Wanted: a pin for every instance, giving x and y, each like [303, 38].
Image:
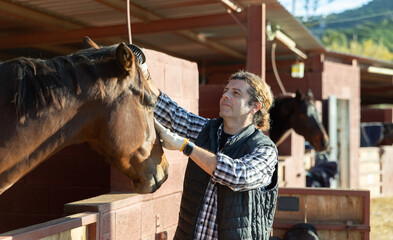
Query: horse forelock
[146, 98]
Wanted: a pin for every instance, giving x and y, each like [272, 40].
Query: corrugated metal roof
[197, 30]
[60, 15]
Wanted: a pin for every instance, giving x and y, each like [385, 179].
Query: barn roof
[198, 30]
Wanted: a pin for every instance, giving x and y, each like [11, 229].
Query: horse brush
[137, 51]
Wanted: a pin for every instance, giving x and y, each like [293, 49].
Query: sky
[325, 6]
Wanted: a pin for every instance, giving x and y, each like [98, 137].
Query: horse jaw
[152, 180]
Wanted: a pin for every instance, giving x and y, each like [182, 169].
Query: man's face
[234, 100]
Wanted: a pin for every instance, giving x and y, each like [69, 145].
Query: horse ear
[88, 43]
[124, 56]
[298, 95]
[310, 94]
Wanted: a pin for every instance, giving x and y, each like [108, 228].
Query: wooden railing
[77, 226]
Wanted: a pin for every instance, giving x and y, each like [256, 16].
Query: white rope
[129, 22]
[274, 45]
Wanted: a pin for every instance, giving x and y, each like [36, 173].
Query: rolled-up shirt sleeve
[251, 171]
[176, 118]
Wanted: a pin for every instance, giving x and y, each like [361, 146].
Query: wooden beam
[77, 31]
[377, 89]
[168, 25]
[22, 12]
[72, 36]
[18, 41]
[256, 40]
[147, 15]
[375, 99]
[182, 4]
[119, 5]
[215, 45]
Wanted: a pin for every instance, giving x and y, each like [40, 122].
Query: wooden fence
[82, 226]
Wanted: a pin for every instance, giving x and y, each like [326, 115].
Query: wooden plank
[50, 228]
[79, 233]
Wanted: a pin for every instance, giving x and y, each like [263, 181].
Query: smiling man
[230, 186]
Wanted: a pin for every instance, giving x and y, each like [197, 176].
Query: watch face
[188, 149]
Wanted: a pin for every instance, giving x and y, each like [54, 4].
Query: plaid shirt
[251, 171]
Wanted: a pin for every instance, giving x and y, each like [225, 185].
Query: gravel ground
[381, 218]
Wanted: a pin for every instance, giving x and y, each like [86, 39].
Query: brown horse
[98, 96]
[298, 113]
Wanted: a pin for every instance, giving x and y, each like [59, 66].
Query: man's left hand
[170, 140]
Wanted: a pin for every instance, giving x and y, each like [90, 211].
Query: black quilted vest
[241, 215]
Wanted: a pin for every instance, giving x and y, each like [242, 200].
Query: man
[230, 184]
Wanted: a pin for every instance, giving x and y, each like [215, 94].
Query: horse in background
[96, 95]
[300, 114]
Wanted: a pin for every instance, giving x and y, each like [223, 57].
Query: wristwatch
[188, 148]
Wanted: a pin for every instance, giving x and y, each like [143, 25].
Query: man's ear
[256, 107]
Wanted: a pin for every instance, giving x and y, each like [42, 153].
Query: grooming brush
[140, 56]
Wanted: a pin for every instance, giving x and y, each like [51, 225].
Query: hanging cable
[274, 45]
[129, 22]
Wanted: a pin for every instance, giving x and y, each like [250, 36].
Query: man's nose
[226, 95]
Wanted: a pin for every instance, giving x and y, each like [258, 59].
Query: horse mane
[278, 101]
[40, 83]
[281, 109]
[143, 90]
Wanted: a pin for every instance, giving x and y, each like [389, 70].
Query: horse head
[299, 113]
[96, 95]
[127, 136]
[307, 123]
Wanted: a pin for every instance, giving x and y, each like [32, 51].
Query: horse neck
[38, 138]
[280, 124]
[27, 145]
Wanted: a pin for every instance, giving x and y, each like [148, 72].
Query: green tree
[338, 41]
